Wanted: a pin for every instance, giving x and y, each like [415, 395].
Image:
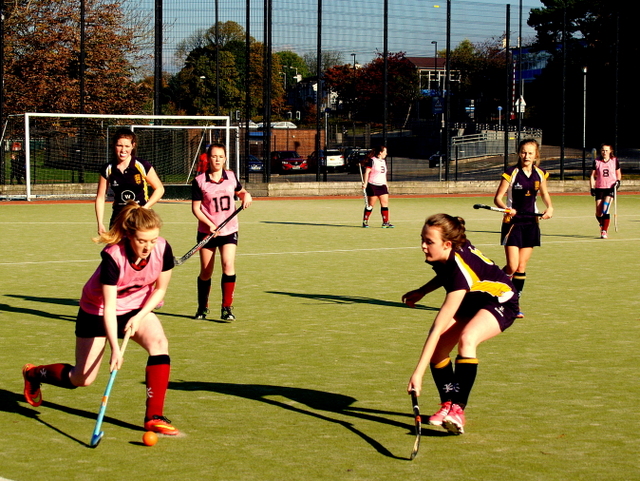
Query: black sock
[518, 281]
[466, 370]
[204, 287]
[444, 378]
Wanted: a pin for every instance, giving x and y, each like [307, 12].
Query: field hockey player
[480, 303]
[520, 233]
[605, 179]
[130, 281]
[213, 194]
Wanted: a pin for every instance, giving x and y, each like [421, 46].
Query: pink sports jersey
[217, 200]
[606, 174]
[378, 174]
[134, 287]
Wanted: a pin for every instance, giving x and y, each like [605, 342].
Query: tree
[482, 77]
[362, 90]
[193, 89]
[328, 59]
[42, 58]
[292, 65]
[597, 32]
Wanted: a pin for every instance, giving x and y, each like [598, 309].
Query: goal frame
[226, 120]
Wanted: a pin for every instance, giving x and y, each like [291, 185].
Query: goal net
[60, 155]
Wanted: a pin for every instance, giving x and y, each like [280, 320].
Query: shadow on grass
[329, 403]
[11, 402]
[312, 224]
[37, 312]
[350, 300]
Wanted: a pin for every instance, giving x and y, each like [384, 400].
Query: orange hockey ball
[149, 438]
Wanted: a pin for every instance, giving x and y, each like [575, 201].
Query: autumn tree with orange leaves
[42, 57]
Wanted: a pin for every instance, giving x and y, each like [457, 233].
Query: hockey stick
[615, 209]
[364, 191]
[97, 433]
[202, 243]
[418, 423]
[498, 209]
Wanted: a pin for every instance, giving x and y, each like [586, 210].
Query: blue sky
[350, 26]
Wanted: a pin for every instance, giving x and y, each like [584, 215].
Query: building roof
[428, 62]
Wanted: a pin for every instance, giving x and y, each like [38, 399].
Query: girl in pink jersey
[131, 280]
[375, 185]
[213, 194]
[605, 179]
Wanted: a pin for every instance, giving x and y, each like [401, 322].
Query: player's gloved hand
[593, 192]
[617, 184]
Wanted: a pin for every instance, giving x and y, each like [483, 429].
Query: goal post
[62, 154]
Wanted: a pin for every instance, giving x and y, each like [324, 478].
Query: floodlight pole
[157, 60]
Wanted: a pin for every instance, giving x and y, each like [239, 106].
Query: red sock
[367, 214]
[228, 286]
[605, 223]
[55, 374]
[385, 214]
[157, 381]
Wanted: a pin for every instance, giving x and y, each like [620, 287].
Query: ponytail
[453, 228]
[132, 218]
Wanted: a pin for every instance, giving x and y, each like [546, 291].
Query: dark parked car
[356, 158]
[435, 159]
[283, 161]
[254, 164]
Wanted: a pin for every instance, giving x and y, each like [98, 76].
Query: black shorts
[218, 241]
[376, 190]
[521, 235]
[92, 325]
[473, 302]
[601, 194]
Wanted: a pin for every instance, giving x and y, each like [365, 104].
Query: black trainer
[226, 314]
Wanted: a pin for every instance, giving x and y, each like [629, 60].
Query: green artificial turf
[310, 382]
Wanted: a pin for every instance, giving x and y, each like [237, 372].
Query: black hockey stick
[202, 243]
[418, 423]
[498, 209]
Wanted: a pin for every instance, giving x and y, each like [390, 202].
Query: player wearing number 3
[605, 178]
[480, 303]
[212, 200]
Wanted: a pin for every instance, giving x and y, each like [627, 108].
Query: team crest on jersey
[138, 179]
[536, 185]
[517, 186]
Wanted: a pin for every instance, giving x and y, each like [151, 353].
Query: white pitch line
[336, 251]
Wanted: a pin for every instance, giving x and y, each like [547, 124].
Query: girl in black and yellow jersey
[480, 303]
[521, 184]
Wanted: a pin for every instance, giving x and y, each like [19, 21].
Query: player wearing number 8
[605, 179]
[212, 200]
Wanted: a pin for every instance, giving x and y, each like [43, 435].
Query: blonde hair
[131, 219]
[452, 228]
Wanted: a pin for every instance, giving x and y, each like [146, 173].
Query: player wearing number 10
[213, 194]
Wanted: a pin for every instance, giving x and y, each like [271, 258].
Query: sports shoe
[365, 224]
[520, 315]
[454, 420]
[201, 314]
[32, 393]
[160, 425]
[603, 234]
[226, 314]
[437, 418]
[387, 225]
